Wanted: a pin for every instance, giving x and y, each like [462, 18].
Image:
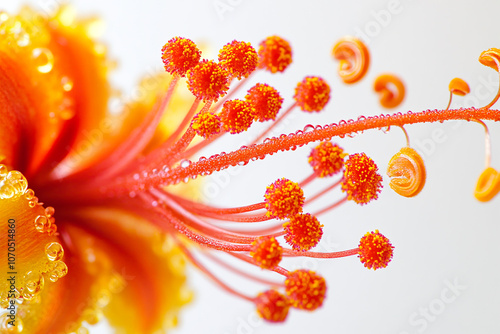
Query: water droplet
[42, 223]
[44, 59]
[34, 282]
[352, 134]
[3, 170]
[185, 163]
[308, 128]
[136, 176]
[12, 185]
[29, 194]
[57, 270]
[54, 251]
[132, 194]
[154, 203]
[243, 163]
[49, 211]
[6, 328]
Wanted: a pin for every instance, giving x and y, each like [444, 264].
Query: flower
[142, 190]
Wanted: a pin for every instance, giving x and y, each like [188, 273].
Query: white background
[443, 235]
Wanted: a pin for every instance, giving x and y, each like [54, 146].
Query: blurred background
[444, 275]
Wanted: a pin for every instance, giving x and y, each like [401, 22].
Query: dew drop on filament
[54, 251]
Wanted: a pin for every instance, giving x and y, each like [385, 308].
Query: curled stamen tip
[206, 124]
[275, 54]
[354, 59]
[179, 55]
[490, 58]
[272, 306]
[488, 185]
[238, 58]
[283, 199]
[208, 80]
[303, 232]
[391, 90]
[375, 250]
[362, 183]
[266, 252]
[407, 172]
[459, 87]
[237, 115]
[312, 94]
[266, 101]
[327, 159]
[306, 289]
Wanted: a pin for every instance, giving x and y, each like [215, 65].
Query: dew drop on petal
[34, 282]
[12, 185]
[54, 251]
[42, 223]
[57, 270]
[3, 170]
[6, 328]
[49, 211]
[44, 59]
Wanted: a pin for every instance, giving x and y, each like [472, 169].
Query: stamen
[327, 159]
[179, 55]
[391, 90]
[266, 101]
[237, 116]
[208, 81]
[361, 180]
[267, 252]
[354, 59]
[458, 87]
[283, 198]
[312, 94]
[207, 272]
[275, 54]
[375, 250]
[303, 232]
[306, 289]
[206, 124]
[238, 58]
[272, 306]
[491, 58]
[488, 184]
